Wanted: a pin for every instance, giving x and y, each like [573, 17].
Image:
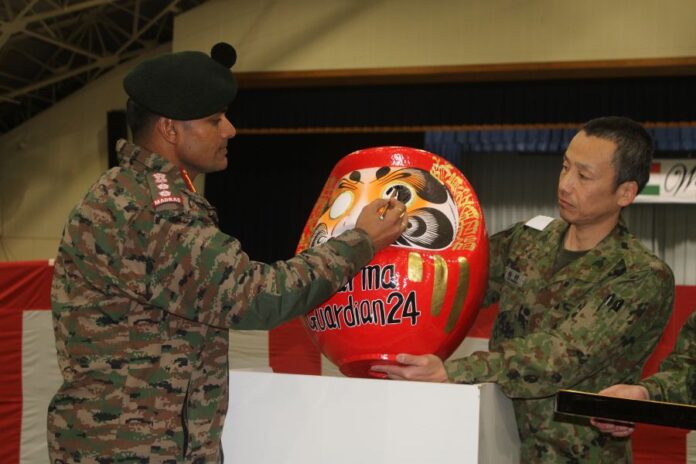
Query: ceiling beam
[12, 76]
[136, 17]
[104, 62]
[71, 8]
[41, 63]
[147, 26]
[8, 10]
[65, 45]
[26, 9]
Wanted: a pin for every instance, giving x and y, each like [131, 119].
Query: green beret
[184, 85]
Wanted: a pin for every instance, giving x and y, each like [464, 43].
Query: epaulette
[539, 222]
[166, 195]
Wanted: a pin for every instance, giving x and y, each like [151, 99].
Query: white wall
[273, 35]
[48, 163]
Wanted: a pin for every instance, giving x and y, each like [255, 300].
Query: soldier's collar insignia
[187, 179]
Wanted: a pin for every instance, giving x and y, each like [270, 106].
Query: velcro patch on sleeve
[164, 193]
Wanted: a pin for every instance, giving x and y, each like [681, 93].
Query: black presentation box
[682, 416]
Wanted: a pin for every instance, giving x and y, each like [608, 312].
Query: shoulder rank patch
[164, 194]
[539, 222]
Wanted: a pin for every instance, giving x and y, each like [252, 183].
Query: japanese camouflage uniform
[587, 326]
[145, 289]
[675, 381]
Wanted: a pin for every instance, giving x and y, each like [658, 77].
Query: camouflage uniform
[676, 380]
[590, 325]
[143, 297]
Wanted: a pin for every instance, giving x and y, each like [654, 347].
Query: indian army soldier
[582, 301]
[146, 286]
[674, 382]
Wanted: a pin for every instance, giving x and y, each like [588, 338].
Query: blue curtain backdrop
[451, 144]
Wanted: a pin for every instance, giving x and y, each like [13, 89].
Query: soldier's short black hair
[140, 121]
[634, 147]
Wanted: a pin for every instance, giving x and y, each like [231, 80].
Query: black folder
[682, 416]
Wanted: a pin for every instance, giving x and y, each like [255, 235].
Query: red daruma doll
[419, 295]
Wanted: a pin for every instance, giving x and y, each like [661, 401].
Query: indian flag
[653, 186]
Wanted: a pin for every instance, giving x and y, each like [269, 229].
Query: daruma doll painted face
[419, 295]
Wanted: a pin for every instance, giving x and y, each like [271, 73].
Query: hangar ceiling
[51, 48]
